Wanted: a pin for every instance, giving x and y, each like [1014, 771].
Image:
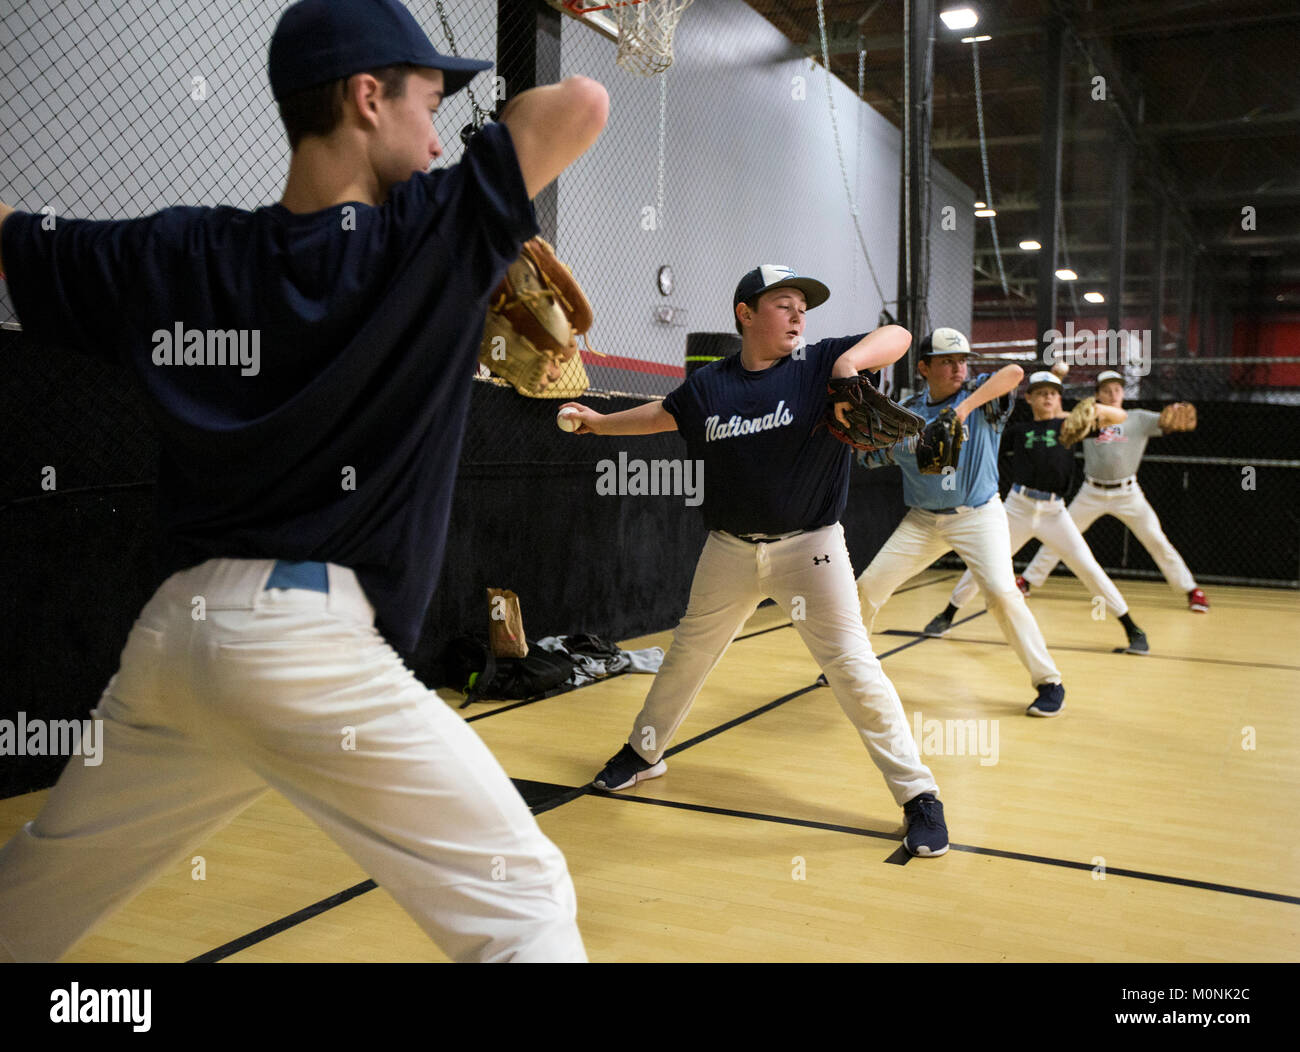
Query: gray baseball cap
[944, 341]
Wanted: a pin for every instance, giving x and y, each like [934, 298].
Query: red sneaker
[1023, 585]
[1196, 601]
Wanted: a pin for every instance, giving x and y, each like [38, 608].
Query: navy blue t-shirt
[766, 470]
[336, 433]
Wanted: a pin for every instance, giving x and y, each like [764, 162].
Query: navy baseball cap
[774, 276]
[318, 41]
[944, 341]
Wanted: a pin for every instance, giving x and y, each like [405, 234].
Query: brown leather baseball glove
[534, 320]
[860, 416]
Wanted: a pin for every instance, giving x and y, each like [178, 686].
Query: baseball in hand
[567, 420]
[1060, 369]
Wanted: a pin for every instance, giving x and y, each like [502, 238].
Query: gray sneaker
[937, 627]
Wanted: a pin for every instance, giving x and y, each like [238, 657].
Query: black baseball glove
[860, 416]
[940, 443]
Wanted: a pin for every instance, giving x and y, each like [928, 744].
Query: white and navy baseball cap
[944, 341]
[1044, 379]
[1109, 374]
[775, 276]
[317, 41]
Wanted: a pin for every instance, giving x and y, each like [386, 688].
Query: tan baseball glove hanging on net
[534, 320]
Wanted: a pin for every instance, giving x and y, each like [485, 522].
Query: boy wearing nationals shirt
[1041, 469]
[776, 484]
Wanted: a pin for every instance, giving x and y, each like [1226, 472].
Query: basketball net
[645, 31]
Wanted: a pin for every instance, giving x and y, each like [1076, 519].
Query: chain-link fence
[744, 152]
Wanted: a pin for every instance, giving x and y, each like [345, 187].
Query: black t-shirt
[1038, 459]
[768, 467]
[336, 433]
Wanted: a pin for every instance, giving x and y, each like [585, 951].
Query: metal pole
[1049, 174]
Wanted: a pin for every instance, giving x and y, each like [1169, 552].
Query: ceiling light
[1030, 245]
[1094, 297]
[1066, 274]
[981, 204]
[976, 40]
[959, 18]
[986, 213]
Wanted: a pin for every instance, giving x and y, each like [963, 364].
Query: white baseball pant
[295, 690]
[1049, 521]
[982, 538]
[1128, 504]
[810, 575]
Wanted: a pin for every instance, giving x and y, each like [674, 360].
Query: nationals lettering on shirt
[770, 466]
[714, 430]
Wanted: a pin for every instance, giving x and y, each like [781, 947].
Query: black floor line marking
[757, 816]
[283, 924]
[544, 697]
[547, 794]
[737, 721]
[1018, 856]
[1095, 650]
[900, 857]
[763, 631]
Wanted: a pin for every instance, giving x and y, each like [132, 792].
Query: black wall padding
[1219, 527]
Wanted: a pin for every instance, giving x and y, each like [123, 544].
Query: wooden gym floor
[1155, 820]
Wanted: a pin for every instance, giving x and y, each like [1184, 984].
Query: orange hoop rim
[577, 7]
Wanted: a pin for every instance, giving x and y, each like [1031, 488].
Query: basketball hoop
[645, 30]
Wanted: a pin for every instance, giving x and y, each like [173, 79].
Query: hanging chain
[839, 150]
[480, 114]
[663, 123]
[984, 163]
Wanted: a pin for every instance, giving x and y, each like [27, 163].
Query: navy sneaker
[625, 768]
[937, 627]
[1050, 700]
[927, 835]
[1137, 643]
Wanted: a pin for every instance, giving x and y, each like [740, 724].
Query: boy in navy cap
[305, 499]
[775, 486]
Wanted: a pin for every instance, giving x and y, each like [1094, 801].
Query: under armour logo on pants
[823, 559]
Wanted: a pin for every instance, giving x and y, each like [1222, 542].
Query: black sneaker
[938, 626]
[1050, 700]
[927, 835]
[1137, 643]
[625, 769]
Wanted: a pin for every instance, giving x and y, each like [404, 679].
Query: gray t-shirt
[1117, 450]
